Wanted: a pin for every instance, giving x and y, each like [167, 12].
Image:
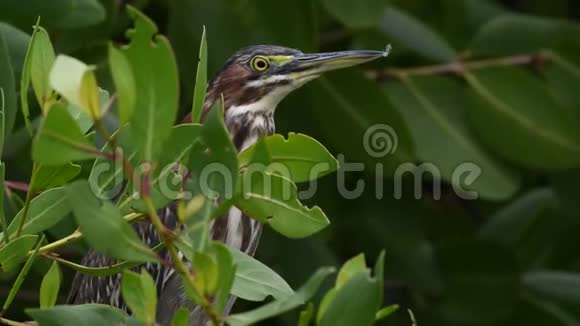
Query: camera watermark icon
[215, 179]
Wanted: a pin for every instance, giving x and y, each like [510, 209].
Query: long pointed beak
[317, 63]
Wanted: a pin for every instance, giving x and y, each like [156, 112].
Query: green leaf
[386, 312]
[355, 303]
[356, 14]
[213, 160]
[352, 100]
[17, 43]
[156, 83]
[103, 227]
[60, 140]
[513, 34]
[306, 315]
[15, 252]
[225, 275]
[61, 14]
[140, 293]
[350, 268]
[411, 33]
[277, 307]
[433, 108]
[206, 272]
[181, 317]
[324, 303]
[7, 92]
[37, 64]
[51, 176]
[299, 158]
[77, 83]
[379, 271]
[3, 223]
[41, 61]
[200, 81]
[557, 286]
[50, 286]
[530, 127]
[124, 83]
[86, 314]
[273, 199]
[45, 211]
[510, 224]
[82, 118]
[255, 281]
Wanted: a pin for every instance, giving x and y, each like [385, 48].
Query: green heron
[253, 82]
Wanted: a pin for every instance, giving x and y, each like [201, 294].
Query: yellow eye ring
[260, 63]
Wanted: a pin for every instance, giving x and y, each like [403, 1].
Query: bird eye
[260, 64]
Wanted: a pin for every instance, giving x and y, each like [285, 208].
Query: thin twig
[10, 322]
[16, 185]
[180, 267]
[27, 201]
[461, 67]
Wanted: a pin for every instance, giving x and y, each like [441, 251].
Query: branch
[459, 68]
[180, 268]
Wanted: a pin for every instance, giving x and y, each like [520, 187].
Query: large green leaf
[411, 33]
[434, 109]
[15, 252]
[8, 92]
[41, 60]
[124, 83]
[60, 14]
[103, 227]
[50, 286]
[356, 14]
[60, 140]
[376, 131]
[355, 303]
[522, 34]
[255, 281]
[87, 314]
[299, 158]
[140, 294]
[272, 199]
[530, 127]
[45, 211]
[278, 307]
[156, 83]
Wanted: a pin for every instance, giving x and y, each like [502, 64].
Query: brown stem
[460, 67]
[16, 185]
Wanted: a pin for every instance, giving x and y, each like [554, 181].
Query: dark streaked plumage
[253, 81]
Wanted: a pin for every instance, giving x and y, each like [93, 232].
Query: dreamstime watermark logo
[380, 140]
[215, 180]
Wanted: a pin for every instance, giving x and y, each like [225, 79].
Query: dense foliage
[470, 186]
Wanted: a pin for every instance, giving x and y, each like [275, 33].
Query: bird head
[259, 77]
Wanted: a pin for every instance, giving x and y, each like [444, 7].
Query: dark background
[512, 257]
